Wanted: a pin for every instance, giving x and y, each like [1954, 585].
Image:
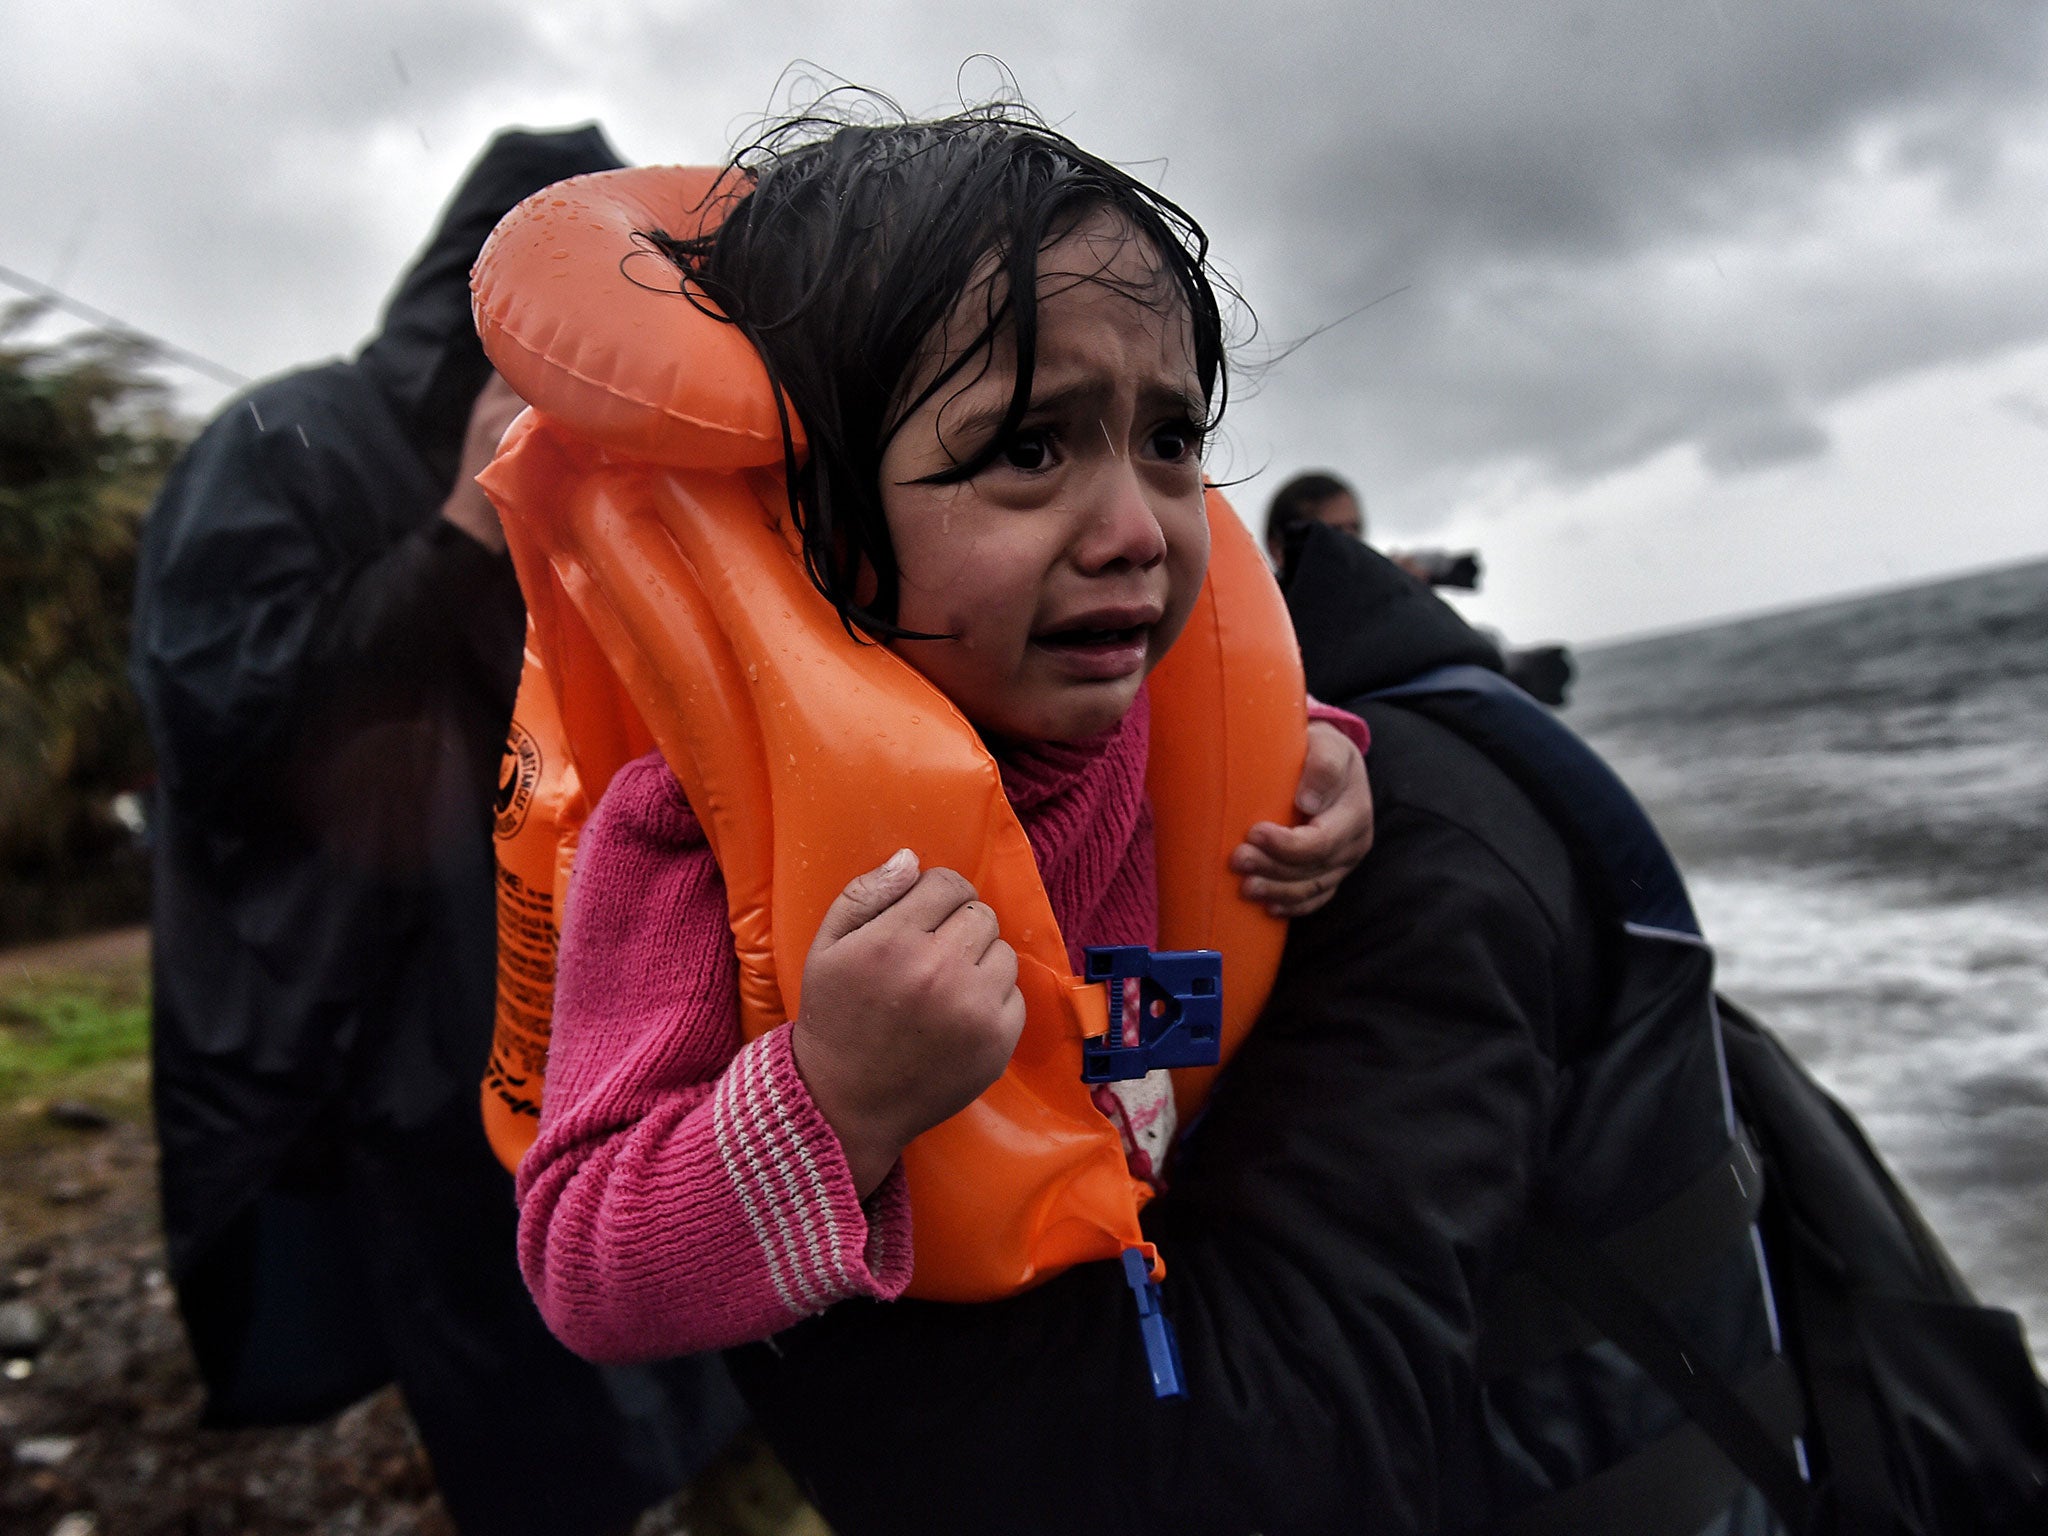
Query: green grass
[58, 1033]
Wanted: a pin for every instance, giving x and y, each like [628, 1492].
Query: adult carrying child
[985, 362]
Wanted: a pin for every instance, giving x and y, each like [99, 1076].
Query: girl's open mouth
[1088, 639]
[1097, 653]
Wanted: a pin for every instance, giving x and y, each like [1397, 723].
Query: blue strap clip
[1180, 1010]
[1162, 1350]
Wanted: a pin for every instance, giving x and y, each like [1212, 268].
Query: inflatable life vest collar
[665, 379]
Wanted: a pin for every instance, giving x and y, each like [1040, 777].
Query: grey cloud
[1619, 226]
[1762, 440]
[1465, 125]
[1531, 177]
[230, 173]
[2027, 407]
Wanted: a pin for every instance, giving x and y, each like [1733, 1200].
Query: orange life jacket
[643, 499]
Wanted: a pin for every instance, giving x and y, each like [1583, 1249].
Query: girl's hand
[1291, 871]
[910, 1009]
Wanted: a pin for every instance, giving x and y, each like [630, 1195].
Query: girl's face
[1063, 571]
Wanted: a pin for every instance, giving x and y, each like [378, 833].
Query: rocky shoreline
[100, 1401]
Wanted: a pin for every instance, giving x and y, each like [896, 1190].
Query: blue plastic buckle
[1180, 1010]
[1162, 1350]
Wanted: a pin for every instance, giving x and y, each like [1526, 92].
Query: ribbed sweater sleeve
[684, 1193]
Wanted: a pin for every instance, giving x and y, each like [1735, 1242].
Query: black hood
[1364, 623]
[427, 361]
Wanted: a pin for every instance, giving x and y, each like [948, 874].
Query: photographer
[1321, 497]
[1544, 672]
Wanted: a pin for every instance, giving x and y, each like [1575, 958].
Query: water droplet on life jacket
[753, 672]
[560, 202]
[561, 255]
[792, 759]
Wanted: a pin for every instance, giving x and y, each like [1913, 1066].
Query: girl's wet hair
[846, 247]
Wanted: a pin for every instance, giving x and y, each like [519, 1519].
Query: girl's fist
[910, 1009]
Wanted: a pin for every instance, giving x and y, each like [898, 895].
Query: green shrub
[85, 439]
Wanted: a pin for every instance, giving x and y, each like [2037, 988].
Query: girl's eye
[1177, 440]
[1028, 450]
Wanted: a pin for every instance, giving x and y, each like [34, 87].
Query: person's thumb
[868, 896]
[1322, 773]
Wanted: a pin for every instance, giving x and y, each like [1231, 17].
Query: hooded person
[327, 643]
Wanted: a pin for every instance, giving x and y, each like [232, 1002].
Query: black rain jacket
[328, 667]
[1340, 1219]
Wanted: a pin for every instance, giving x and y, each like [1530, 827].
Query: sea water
[1859, 796]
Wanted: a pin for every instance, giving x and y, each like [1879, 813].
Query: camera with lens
[1458, 568]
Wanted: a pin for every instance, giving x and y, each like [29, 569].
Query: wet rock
[44, 1451]
[77, 1115]
[24, 1328]
[73, 1192]
[77, 1523]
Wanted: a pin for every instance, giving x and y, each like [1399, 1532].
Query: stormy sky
[1673, 309]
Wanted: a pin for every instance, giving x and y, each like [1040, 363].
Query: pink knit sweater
[684, 1192]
